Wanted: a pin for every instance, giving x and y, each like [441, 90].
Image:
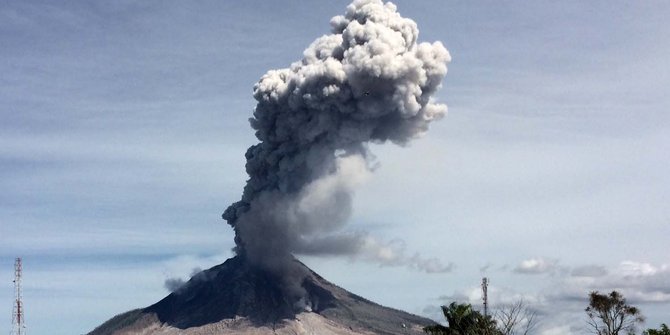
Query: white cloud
[637, 269]
[536, 266]
[639, 282]
[557, 330]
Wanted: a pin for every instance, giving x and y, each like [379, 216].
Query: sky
[123, 127]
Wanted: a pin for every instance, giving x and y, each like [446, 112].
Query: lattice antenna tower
[485, 295]
[18, 322]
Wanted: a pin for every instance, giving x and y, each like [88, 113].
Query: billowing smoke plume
[176, 284]
[173, 284]
[367, 81]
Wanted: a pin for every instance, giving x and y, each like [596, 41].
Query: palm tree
[463, 320]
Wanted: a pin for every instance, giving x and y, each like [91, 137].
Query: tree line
[608, 314]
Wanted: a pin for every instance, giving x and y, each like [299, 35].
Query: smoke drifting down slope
[367, 81]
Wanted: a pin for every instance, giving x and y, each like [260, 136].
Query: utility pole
[485, 296]
[18, 323]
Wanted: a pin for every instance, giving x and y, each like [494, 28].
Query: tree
[487, 326]
[463, 320]
[516, 319]
[663, 331]
[609, 314]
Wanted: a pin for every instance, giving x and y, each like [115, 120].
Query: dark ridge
[238, 289]
[234, 288]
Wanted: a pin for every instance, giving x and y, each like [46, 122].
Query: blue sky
[124, 125]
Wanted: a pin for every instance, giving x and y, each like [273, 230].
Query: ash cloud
[367, 81]
[362, 246]
[175, 284]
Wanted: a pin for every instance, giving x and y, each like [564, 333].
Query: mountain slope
[237, 298]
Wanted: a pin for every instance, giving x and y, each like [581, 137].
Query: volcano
[238, 298]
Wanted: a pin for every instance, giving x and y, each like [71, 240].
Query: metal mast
[18, 325]
[485, 296]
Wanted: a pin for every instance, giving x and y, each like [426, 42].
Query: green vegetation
[463, 320]
[609, 314]
[664, 330]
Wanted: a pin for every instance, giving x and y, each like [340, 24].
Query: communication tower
[18, 323]
[485, 296]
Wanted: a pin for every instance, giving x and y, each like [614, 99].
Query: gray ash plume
[367, 81]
